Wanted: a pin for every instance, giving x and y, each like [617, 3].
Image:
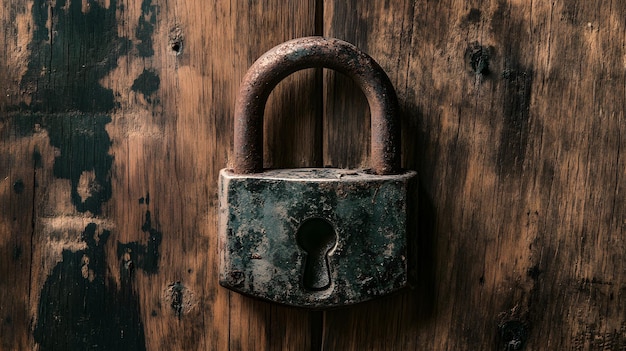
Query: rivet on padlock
[314, 237]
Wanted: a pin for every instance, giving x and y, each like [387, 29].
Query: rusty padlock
[314, 237]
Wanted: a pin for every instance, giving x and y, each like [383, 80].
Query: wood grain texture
[513, 115]
[116, 118]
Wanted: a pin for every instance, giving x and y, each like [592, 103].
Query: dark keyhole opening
[316, 236]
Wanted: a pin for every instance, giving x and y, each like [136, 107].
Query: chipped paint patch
[65, 233]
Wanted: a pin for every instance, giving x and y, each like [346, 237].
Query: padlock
[314, 237]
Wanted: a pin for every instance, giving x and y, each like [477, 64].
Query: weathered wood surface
[116, 116]
[514, 116]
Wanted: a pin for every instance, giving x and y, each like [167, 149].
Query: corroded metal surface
[261, 214]
[314, 237]
[308, 52]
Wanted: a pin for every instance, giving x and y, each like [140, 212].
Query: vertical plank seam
[319, 17]
[230, 313]
[617, 158]
[318, 154]
[323, 336]
[317, 319]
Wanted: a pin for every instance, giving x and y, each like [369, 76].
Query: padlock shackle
[310, 52]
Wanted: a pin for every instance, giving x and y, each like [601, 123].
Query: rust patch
[359, 226]
[310, 52]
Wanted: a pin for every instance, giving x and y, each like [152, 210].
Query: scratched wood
[116, 118]
[514, 117]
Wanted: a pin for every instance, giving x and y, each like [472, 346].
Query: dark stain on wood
[422, 253]
[81, 305]
[145, 28]
[145, 199]
[142, 256]
[68, 60]
[18, 186]
[37, 159]
[64, 72]
[82, 308]
[478, 57]
[147, 83]
[80, 292]
[512, 336]
[83, 145]
[561, 271]
[516, 107]
[17, 252]
[534, 272]
[84, 149]
[473, 16]
[515, 94]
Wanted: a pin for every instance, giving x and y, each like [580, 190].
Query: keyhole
[316, 237]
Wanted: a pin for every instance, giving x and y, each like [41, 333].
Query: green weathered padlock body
[260, 214]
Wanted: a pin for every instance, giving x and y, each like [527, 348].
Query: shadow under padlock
[317, 237]
[314, 237]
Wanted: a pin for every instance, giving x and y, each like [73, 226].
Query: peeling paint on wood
[521, 171]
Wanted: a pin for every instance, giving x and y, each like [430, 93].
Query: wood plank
[17, 192]
[292, 138]
[128, 104]
[513, 115]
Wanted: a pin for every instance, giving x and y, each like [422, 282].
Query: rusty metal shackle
[309, 52]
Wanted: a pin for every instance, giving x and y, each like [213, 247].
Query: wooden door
[116, 116]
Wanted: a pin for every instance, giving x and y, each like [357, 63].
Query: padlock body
[261, 213]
